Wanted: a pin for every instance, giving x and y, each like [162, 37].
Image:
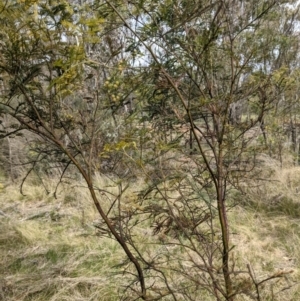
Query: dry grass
[266, 229]
[50, 250]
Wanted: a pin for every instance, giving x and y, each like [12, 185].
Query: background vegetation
[156, 148]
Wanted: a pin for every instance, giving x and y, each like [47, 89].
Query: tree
[217, 72]
[48, 79]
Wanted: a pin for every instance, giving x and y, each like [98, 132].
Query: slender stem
[224, 225]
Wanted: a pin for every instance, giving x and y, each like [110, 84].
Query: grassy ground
[50, 249]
